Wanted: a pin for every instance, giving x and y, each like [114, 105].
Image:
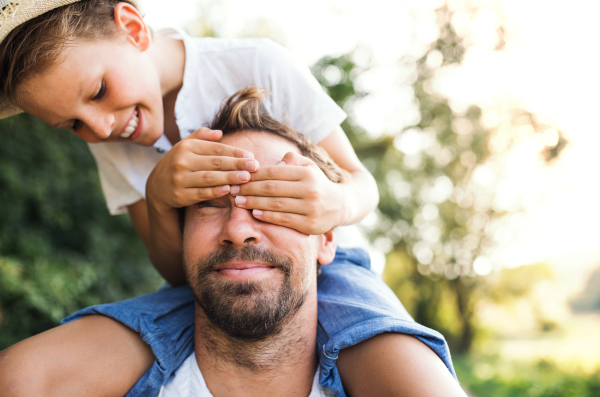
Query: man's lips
[243, 269]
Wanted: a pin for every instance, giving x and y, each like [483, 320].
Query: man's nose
[241, 229]
[101, 124]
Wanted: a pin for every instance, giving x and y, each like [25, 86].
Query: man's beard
[248, 310]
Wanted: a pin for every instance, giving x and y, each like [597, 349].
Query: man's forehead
[267, 148]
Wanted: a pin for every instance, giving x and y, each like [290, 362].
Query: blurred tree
[437, 215]
[60, 249]
[589, 299]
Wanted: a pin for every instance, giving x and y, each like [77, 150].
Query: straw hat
[15, 12]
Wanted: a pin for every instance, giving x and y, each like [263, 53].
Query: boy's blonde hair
[33, 46]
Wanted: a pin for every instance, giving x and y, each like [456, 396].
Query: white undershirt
[188, 381]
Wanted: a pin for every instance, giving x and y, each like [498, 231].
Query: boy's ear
[326, 250]
[129, 20]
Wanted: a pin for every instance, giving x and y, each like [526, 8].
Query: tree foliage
[436, 213]
[60, 249]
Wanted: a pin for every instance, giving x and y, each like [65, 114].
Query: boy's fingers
[220, 163]
[291, 173]
[289, 205]
[196, 195]
[286, 219]
[206, 134]
[202, 179]
[271, 188]
[207, 148]
[292, 158]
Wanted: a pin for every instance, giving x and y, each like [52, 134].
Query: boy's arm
[395, 365]
[166, 230]
[92, 356]
[362, 194]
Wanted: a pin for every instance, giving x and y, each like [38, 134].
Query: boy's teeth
[131, 126]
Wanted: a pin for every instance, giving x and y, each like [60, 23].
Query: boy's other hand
[295, 193]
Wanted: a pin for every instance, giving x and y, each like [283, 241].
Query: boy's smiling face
[105, 90]
[96, 89]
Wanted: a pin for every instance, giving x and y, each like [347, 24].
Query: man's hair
[34, 46]
[244, 111]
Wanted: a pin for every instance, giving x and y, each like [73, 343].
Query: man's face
[249, 276]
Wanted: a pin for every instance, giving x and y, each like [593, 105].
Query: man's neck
[281, 365]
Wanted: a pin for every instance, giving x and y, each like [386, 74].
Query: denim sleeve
[355, 305]
[165, 321]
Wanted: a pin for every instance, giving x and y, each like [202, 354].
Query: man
[255, 290]
[255, 283]
[256, 296]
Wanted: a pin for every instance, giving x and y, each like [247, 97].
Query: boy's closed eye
[101, 92]
[99, 95]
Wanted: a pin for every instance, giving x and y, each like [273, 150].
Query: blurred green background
[60, 250]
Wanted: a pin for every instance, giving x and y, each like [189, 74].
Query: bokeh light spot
[482, 266]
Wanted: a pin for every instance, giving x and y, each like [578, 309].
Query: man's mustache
[249, 253]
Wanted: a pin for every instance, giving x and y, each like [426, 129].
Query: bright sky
[549, 67]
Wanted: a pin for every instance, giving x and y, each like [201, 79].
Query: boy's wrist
[344, 212]
[156, 206]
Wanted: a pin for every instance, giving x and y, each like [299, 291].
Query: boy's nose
[101, 125]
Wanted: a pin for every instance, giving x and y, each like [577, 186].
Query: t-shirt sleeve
[118, 192]
[296, 97]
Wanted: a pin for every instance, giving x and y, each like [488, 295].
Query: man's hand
[295, 193]
[197, 169]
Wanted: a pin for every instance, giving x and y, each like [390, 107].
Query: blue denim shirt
[354, 305]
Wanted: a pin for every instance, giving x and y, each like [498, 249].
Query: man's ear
[326, 248]
[129, 20]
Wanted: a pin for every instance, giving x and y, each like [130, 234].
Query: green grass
[491, 377]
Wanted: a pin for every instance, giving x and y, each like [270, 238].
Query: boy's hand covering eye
[295, 193]
[197, 169]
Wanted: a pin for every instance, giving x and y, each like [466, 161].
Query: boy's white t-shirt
[188, 381]
[215, 69]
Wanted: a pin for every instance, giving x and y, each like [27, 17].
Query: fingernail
[281, 163]
[243, 176]
[248, 155]
[235, 189]
[252, 165]
[225, 189]
[240, 200]
[256, 212]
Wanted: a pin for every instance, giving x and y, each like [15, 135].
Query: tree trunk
[464, 295]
